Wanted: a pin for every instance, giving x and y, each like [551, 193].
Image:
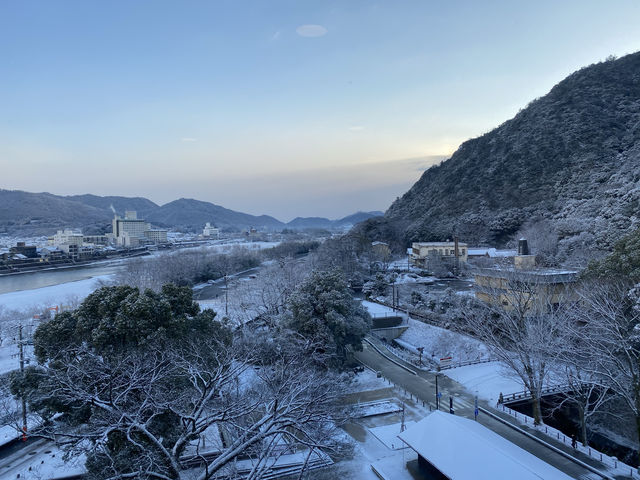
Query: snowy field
[486, 379]
[439, 343]
[377, 310]
[45, 297]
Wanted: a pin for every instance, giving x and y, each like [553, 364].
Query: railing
[612, 462]
[468, 362]
[526, 394]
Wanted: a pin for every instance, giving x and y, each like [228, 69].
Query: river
[46, 278]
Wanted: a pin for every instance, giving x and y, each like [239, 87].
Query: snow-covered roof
[491, 252]
[464, 449]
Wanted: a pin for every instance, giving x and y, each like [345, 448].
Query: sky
[286, 108]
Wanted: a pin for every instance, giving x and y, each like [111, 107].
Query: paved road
[422, 386]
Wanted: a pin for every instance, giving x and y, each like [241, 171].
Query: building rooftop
[550, 275]
[463, 449]
[438, 244]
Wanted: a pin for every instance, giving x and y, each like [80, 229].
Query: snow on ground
[486, 379]
[54, 295]
[439, 343]
[380, 407]
[377, 310]
[388, 434]
[365, 381]
[413, 278]
[9, 356]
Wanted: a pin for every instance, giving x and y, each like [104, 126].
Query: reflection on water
[29, 281]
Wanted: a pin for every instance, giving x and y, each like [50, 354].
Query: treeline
[188, 267]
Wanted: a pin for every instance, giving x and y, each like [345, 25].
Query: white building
[156, 235]
[66, 237]
[210, 231]
[128, 231]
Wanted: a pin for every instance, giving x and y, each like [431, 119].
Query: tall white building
[129, 230]
[210, 231]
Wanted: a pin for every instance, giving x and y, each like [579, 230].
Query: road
[422, 386]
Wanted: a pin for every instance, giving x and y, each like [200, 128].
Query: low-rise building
[426, 254]
[381, 249]
[28, 251]
[451, 447]
[156, 236]
[523, 285]
[66, 237]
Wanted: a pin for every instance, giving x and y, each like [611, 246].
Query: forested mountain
[322, 222]
[569, 161]
[141, 205]
[38, 213]
[25, 213]
[193, 214]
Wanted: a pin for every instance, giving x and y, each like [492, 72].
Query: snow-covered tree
[147, 383]
[609, 332]
[323, 309]
[522, 329]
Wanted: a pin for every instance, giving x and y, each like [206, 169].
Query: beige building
[525, 286]
[446, 251]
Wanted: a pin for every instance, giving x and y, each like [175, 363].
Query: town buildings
[523, 285]
[434, 256]
[132, 231]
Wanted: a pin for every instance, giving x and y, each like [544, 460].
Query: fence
[612, 462]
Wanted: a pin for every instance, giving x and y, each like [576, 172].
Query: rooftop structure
[457, 448]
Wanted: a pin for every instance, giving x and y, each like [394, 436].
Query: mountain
[120, 204]
[309, 222]
[192, 214]
[301, 223]
[25, 213]
[356, 218]
[569, 162]
[42, 213]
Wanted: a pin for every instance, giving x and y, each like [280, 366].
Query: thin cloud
[276, 36]
[188, 139]
[311, 31]
[357, 128]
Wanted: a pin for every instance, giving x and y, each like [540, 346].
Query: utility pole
[23, 399]
[226, 296]
[437, 394]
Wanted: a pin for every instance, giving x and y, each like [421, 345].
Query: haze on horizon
[284, 108]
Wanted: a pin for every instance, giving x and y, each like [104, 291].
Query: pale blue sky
[232, 102]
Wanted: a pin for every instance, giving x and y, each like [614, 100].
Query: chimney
[524, 261]
[523, 247]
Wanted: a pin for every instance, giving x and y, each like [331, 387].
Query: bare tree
[524, 327]
[144, 414]
[610, 331]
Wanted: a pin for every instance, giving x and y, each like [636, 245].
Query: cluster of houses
[500, 275]
[128, 234]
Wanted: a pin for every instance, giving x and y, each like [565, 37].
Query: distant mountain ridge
[569, 161]
[42, 213]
